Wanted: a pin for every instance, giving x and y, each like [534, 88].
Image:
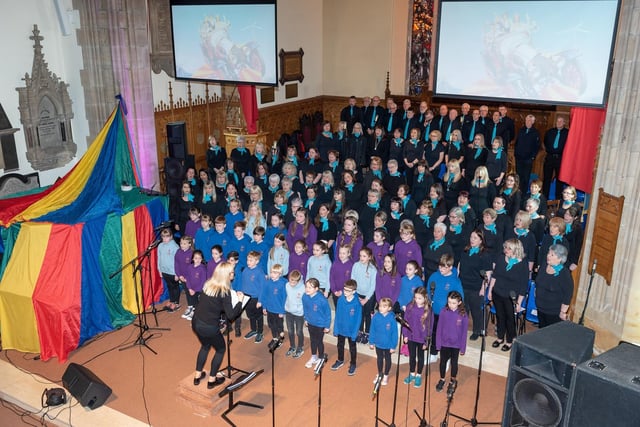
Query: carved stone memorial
[45, 113]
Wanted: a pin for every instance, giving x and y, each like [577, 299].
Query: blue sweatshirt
[253, 281]
[384, 331]
[167, 256]
[241, 246]
[407, 287]
[204, 242]
[274, 296]
[263, 248]
[280, 256]
[293, 303]
[316, 310]
[319, 268]
[444, 285]
[348, 317]
[365, 275]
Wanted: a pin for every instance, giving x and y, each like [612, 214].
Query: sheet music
[235, 299]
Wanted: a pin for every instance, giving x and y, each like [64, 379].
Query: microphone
[165, 224]
[512, 295]
[320, 364]
[276, 343]
[432, 286]
[376, 386]
[402, 321]
[593, 267]
[483, 274]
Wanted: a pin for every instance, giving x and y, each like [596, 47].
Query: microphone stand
[376, 395]
[318, 374]
[445, 420]
[273, 346]
[474, 420]
[586, 301]
[404, 323]
[427, 386]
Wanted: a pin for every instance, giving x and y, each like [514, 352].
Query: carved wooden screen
[605, 233]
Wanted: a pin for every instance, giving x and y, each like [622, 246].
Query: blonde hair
[219, 284]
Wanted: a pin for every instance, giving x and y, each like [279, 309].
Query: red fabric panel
[579, 156]
[151, 280]
[249, 102]
[57, 295]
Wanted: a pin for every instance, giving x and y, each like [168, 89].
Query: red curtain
[249, 102]
[578, 158]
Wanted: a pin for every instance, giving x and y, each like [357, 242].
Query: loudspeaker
[174, 176]
[606, 389]
[85, 386]
[541, 373]
[177, 140]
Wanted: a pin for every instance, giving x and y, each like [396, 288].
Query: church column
[614, 310]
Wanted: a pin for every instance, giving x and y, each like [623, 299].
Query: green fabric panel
[9, 236]
[111, 261]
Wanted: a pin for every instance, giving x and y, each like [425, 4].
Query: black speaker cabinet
[606, 389]
[541, 371]
[177, 140]
[174, 176]
[85, 386]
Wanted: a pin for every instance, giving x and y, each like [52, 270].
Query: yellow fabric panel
[74, 182]
[129, 251]
[17, 316]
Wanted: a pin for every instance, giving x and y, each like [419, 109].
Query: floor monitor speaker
[85, 386]
[541, 373]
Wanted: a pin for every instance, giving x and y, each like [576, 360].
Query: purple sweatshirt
[182, 262]
[299, 262]
[340, 273]
[388, 286]
[196, 276]
[345, 240]
[419, 331]
[452, 330]
[191, 227]
[211, 266]
[296, 232]
[379, 252]
[406, 252]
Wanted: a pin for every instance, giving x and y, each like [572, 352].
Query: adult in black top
[212, 312]
[441, 122]
[508, 123]
[475, 264]
[358, 147]
[574, 235]
[392, 119]
[473, 127]
[351, 114]
[526, 149]
[458, 232]
[241, 157]
[555, 140]
[378, 145]
[325, 141]
[373, 116]
[554, 288]
[495, 129]
[433, 250]
[510, 274]
[216, 156]
[482, 191]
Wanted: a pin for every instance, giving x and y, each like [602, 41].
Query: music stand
[237, 385]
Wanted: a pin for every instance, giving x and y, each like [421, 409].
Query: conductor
[213, 307]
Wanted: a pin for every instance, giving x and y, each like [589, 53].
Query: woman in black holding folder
[215, 302]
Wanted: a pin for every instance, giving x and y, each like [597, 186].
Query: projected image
[541, 51]
[225, 42]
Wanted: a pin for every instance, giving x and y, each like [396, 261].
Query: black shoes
[214, 383]
[196, 380]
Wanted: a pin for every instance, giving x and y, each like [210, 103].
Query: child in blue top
[273, 300]
[277, 227]
[295, 313]
[221, 237]
[234, 215]
[259, 245]
[384, 338]
[253, 282]
[446, 280]
[410, 282]
[239, 242]
[319, 266]
[205, 236]
[317, 316]
[279, 254]
[364, 272]
[167, 250]
[347, 324]
[419, 317]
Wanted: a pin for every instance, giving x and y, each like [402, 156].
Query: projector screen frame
[440, 92]
[272, 80]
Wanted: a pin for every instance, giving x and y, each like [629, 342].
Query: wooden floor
[158, 390]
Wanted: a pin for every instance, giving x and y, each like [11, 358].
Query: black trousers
[474, 304]
[294, 328]
[256, 319]
[275, 323]
[505, 318]
[416, 357]
[316, 336]
[547, 319]
[353, 350]
[367, 311]
[551, 169]
[383, 357]
[209, 337]
[446, 354]
[173, 286]
[523, 168]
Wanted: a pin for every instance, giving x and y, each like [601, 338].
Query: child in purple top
[302, 229]
[379, 246]
[299, 258]
[195, 276]
[451, 338]
[350, 236]
[182, 261]
[388, 280]
[419, 317]
[216, 258]
[340, 273]
[407, 248]
[193, 224]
